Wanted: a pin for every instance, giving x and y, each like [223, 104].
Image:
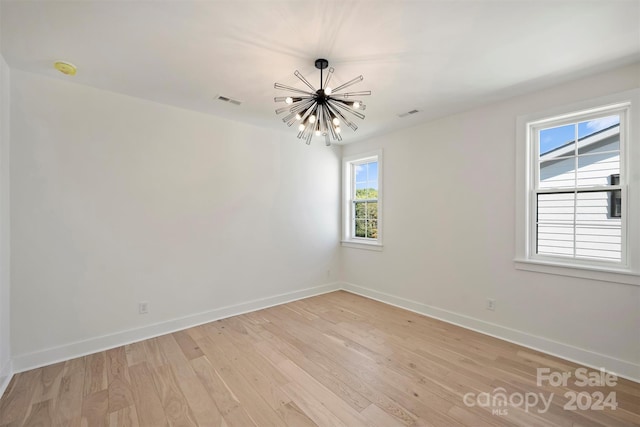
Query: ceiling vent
[227, 99]
[408, 113]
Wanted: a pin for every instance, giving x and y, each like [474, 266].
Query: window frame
[627, 271]
[348, 201]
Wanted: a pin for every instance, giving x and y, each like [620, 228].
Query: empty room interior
[329, 213]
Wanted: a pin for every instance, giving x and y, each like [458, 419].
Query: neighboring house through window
[362, 201]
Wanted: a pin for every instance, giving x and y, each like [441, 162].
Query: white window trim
[347, 240]
[525, 259]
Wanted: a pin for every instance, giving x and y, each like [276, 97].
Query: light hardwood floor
[333, 360]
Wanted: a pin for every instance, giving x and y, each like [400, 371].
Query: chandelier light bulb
[301, 127]
[356, 105]
[312, 118]
[338, 130]
[298, 116]
[335, 121]
[327, 91]
[288, 100]
[318, 132]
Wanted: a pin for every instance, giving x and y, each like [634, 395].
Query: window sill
[369, 246]
[627, 277]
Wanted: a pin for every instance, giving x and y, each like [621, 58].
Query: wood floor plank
[135, 353]
[95, 377]
[176, 407]
[94, 408]
[68, 405]
[376, 417]
[40, 415]
[226, 401]
[49, 384]
[257, 408]
[188, 345]
[119, 381]
[337, 359]
[17, 399]
[202, 406]
[125, 417]
[145, 396]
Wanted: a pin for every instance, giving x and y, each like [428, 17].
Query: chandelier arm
[283, 109]
[350, 103]
[305, 81]
[289, 119]
[323, 125]
[342, 116]
[301, 106]
[291, 107]
[295, 99]
[329, 74]
[344, 106]
[330, 125]
[293, 89]
[307, 113]
[349, 83]
[351, 94]
[332, 129]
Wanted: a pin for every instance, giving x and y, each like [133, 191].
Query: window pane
[360, 228]
[556, 208]
[554, 138]
[360, 210]
[372, 210]
[599, 135]
[555, 224]
[599, 125]
[372, 175]
[364, 191]
[598, 234]
[361, 173]
[372, 229]
[559, 173]
[596, 169]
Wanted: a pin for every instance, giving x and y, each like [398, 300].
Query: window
[362, 201]
[578, 201]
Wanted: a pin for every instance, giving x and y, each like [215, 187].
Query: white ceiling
[439, 57]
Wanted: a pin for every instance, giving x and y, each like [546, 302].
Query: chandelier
[321, 112]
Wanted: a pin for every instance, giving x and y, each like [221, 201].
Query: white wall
[5, 347]
[449, 236]
[116, 200]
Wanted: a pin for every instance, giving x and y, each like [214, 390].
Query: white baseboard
[6, 372]
[24, 362]
[621, 368]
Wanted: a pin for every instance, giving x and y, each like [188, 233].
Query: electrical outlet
[143, 307]
[491, 304]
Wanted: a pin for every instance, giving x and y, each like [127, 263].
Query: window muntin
[573, 190]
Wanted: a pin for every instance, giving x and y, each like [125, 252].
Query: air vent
[408, 113]
[227, 99]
